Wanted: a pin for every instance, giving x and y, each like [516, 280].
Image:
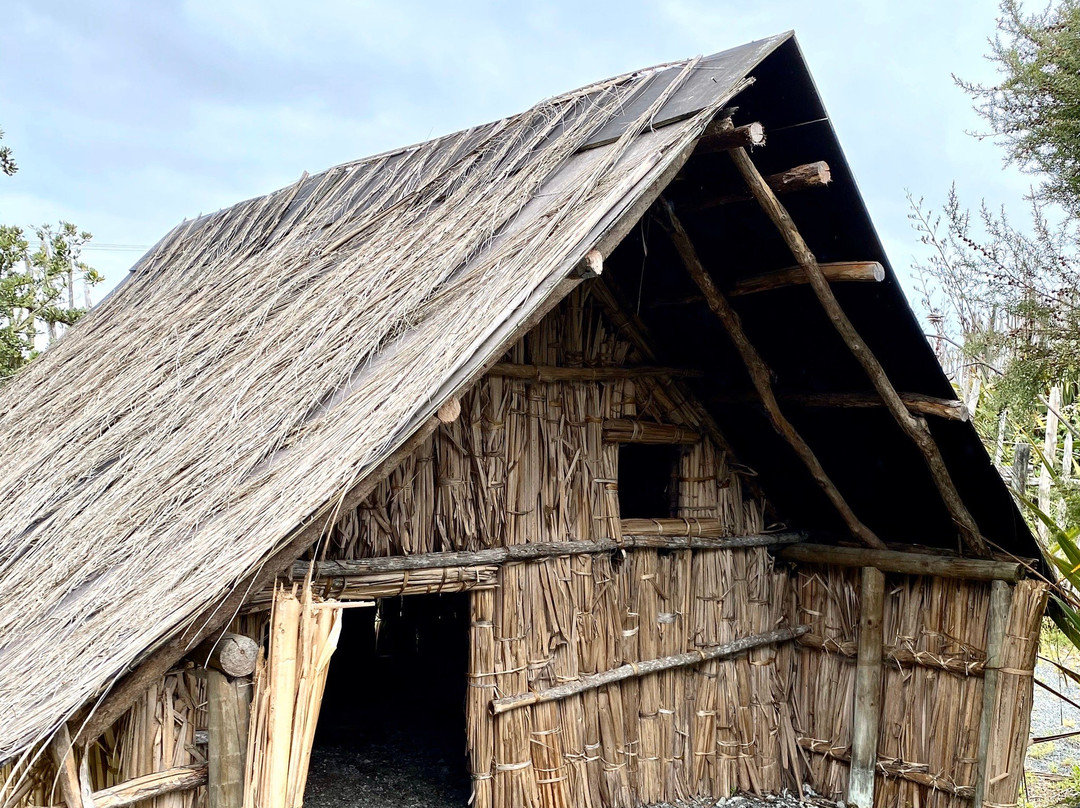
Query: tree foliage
[1035, 109]
[37, 284]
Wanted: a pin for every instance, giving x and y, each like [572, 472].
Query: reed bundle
[288, 688]
[261, 360]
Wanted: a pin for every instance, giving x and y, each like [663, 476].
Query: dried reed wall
[929, 731]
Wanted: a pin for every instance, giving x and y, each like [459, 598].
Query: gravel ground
[1050, 716]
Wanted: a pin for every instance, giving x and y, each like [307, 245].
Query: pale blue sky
[128, 116]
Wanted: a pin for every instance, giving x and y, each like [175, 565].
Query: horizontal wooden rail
[904, 657]
[181, 778]
[718, 139]
[893, 767]
[552, 373]
[941, 566]
[948, 408]
[626, 430]
[835, 272]
[442, 563]
[636, 669]
[800, 178]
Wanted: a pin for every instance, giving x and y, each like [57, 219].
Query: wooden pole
[914, 426]
[684, 539]
[552, 373]
[835, 272]
[67, 772]
[227, 715]
[717, 139]
[800, 178]
[761, 375]
[971, 569]
[156, 784]
[1000, 601]
[948, 408]
[635, 669]
[867, 716]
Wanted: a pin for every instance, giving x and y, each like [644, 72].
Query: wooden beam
[800, 178]
[760, 373]
[156, 784]
[627, 430]
[683, 535]
[231, 654]
[67, 772]
[868, 676]
[591, 266]
[914, 426]
[227, 708]
[1000, 601]
[552, 373]
[636, 669]
[948, 408]
[941, 566]
[835, 272]
[718, 139]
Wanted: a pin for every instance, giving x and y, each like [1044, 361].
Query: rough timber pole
[914, 426]
[760, 374]
[227, 719]
[1000, 601]
[864, 735]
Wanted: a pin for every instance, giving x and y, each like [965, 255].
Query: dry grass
[258, 363]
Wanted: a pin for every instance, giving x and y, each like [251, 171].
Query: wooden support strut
[800, 178]
[948, 408]
[156, 784]
[67, 772]
[718, 139]
[970, 569]
[553, 373]
[914, 426]
[835, 272]
[228, 713]
[1000, 601]
[868, 676]
[635, 669]
[760, 375]
[679, 537]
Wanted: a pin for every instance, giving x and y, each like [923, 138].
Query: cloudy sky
[127, 116]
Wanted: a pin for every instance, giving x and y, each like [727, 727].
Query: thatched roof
[261, 360]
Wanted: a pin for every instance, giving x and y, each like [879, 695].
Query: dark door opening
[391, 730]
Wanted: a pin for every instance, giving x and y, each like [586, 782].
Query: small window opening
[648, 480]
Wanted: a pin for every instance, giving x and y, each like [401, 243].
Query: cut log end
[450, 411]
[231, 654]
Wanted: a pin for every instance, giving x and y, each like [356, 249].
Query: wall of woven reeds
[930, 716]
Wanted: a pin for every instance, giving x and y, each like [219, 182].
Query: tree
[37, 286]
[1034, 110]
[1003, 299]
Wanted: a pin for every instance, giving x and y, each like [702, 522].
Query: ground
[1053, 767]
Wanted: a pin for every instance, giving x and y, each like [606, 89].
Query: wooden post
[1000, 601]
[864, 739]
[1021, 459]
[227, 712]
[67, 773]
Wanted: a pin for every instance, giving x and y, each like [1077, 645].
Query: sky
[128, 116]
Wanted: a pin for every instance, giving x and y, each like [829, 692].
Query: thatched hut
[640, 388]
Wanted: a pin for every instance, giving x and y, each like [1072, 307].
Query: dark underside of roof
[876, 467]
